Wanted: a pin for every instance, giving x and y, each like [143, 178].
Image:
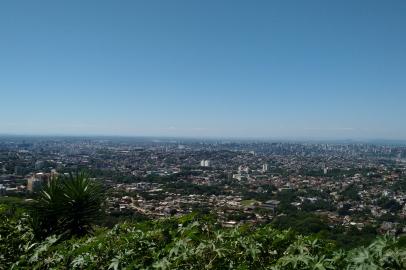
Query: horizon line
[207, 137]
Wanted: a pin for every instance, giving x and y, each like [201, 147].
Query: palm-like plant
[69, 205]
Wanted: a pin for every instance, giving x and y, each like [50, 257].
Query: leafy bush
[15, 238]
[196, 243]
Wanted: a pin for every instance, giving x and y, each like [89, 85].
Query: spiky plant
[68, 205]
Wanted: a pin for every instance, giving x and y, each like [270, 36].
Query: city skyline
[275, 70]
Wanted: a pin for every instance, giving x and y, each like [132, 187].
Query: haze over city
[273, 69]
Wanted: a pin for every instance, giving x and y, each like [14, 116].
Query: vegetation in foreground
[188, 243]
[69, 205]
[59, 233]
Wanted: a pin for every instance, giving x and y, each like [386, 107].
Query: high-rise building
[265, 167]
[205, 163]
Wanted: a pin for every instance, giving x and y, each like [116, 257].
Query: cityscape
[202, 135]
[347, 184]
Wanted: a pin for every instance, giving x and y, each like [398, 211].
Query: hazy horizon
[381, 141]
[292, 70]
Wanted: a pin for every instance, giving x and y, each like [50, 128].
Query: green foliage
[191, 242]
[68, 205]
[301, 222]
[308, 223]
[15, 237]
[190, 188]
[351, 193]
[400, 185]
[389, 204]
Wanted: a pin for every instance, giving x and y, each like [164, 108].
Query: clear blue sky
[275, 69]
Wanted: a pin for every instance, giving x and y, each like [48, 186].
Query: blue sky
[272, 69]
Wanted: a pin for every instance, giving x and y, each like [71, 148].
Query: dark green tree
[69, 205]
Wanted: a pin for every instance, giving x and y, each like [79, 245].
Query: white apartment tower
[205, 163]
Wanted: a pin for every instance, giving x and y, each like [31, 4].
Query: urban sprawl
[347, 184]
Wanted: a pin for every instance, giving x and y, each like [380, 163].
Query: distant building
[265, 167]
[271, 204]
[205, 163]
[34, 184]
[239, 177]
[243, 169]
[54, 174]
